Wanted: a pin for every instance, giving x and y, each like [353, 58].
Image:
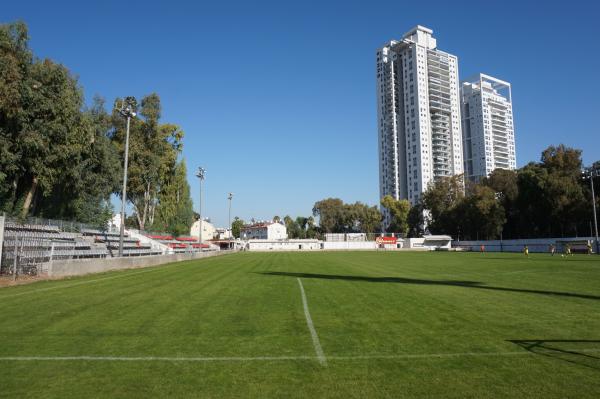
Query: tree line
[62, 159]
[542, 199]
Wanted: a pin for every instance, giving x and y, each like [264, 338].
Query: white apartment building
[208, 230]
[487, 124]
[264, 231]
[418, 113]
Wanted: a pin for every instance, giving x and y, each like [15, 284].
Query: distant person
[568, 250]
[482, 249]
[589, 247]
[526, 251]
[552, 249]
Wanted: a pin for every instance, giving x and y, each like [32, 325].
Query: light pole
[127, 110]
[200, 175]
[590, 173]
[230, 197]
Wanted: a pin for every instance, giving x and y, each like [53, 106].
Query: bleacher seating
[33, 244]
[179, 244]
[131, 246]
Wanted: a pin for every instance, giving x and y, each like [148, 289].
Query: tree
[416, 220]
[174, 213]
[369, 219]
[293, 230]
[330, 212]
[236, 227]
[481, 213]
[50, 148]
[153, 153]
[312, 230]
[505, 184]
[399, 211]
[441, 200]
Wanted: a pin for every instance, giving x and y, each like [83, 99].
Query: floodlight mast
[590, 173]
[230, 197]
[200, 175]
[127, 110]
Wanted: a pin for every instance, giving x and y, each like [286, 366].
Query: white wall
[78, 267]
[534, 244]
[208, 230]
[283, 245]
[349, 245]
[277, 231]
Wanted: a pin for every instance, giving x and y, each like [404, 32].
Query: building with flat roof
[418, 115]
[264, 231]
[487, 125]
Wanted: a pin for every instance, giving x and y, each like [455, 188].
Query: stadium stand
[26, 246]
[179, 244]
[131, 246]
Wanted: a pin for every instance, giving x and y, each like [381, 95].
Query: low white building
[264, 231]
[223, 234]
[208, 230]
[284, 245]
[429, 242]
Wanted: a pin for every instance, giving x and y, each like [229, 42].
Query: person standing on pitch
[526, 251]
[589, 247]
[552, 249]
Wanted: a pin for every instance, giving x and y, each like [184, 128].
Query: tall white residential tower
[489, 139]
[418, 115]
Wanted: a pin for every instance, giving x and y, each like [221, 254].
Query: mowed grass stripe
[50, 285]
[391, 324]
[182, 305]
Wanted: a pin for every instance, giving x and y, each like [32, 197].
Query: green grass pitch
[390, 325]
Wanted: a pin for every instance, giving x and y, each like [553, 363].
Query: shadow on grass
[561, 349]
[451, 283]
[536, 258]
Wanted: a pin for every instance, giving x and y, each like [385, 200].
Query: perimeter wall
[77, 267]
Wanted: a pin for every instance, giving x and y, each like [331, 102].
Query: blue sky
[277, 100]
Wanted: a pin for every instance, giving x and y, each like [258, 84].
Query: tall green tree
[174, 211]
[441, 200]
[153, 152]
[236, 227]
[50, 147]
[416, 220]
[399, 211]
[480, 213]
[505, 184]
[330, 212]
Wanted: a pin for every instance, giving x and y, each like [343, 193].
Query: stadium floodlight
[230, 197]
[127, 109]
[590, 173]
[200, 175]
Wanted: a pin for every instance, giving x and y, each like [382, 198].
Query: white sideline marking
[156, 358]
[273, 358]
[311, 327]
[76, 284]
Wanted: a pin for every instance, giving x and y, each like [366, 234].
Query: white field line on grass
[277, 358]
[311, 327]
[57, 287]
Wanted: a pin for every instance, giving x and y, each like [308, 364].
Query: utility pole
[127, 110]
[230, 197]
[591, 173]
[200, 175]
